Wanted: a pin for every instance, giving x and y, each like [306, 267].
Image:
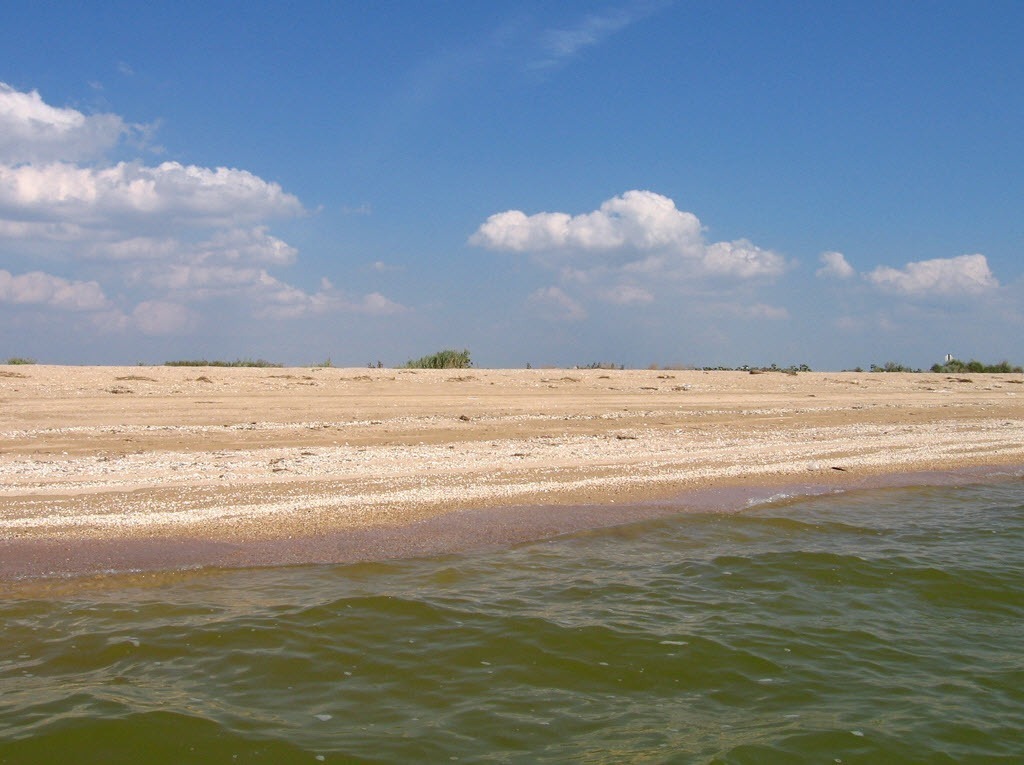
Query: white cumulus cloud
[33, 131]
[637, 221]
[628, 251]
[834, 265]
[283, 301]
[133, 196]
[742, 260]
[947, 277]
[643, 231]
[251, 245]
[185, 238]
[38, 288]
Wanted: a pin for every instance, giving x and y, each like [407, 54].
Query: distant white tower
[949, 357]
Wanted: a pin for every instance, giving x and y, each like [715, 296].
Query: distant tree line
[953, 366]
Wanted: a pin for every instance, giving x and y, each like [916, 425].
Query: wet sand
[121, 468]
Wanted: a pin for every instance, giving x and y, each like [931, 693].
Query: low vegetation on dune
[890, 366]
[792, 369]
[446, 359]
[957, 366]
[236, 363]
[456, 359]
[953, 366]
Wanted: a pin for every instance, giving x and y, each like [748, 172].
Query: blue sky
[671, 183]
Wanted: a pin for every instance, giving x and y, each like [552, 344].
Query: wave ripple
[876, 627]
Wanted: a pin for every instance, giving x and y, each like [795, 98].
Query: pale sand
[97, 458]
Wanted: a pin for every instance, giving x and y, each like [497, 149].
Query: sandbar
[153, 467]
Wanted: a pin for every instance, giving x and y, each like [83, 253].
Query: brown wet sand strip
[114, 469]
[453, 532]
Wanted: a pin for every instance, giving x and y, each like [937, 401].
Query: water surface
[873, 626]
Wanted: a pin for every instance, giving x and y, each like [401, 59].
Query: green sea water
[882, 626]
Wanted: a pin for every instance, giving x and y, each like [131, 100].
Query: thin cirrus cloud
[559, 45]
[562, 44]
[553, 303]
[161, 317]
[764, 311]
[627, 294]
[181, 234]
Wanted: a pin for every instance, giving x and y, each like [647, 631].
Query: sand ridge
[246, 454]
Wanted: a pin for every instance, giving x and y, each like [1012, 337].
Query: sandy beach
[107, 468]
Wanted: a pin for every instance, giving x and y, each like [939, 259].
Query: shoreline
[155, 468]
[46, 561]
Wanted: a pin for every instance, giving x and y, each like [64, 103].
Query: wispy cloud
[559, 45]
[554, 304]
[518, 43]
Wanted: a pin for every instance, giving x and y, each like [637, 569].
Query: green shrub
[956, 366]
[892, 366]
[19, 360]
[446, 359]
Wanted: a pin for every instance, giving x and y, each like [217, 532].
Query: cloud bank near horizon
[181, 236]
[639, 247]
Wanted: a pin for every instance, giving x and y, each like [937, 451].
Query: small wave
[876, 627]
